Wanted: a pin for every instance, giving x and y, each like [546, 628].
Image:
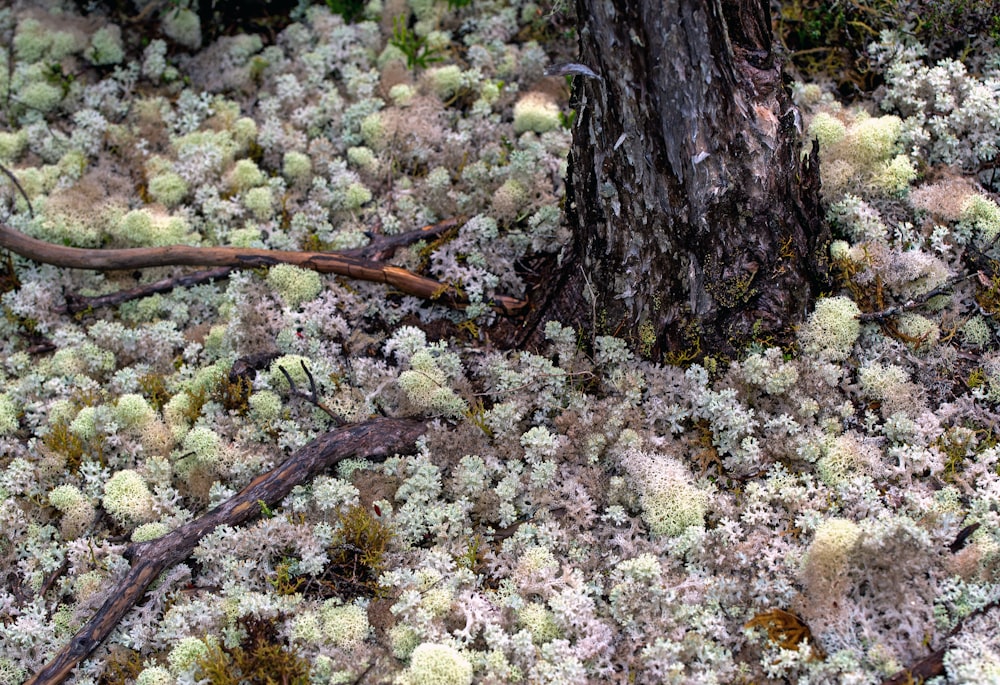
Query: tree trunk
[697, 224]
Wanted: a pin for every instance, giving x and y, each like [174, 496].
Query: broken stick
[114, 259]
[375, 439]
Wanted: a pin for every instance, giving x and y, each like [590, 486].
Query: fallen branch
[932, 665]
[375, 439]
[920, 301]
[384, 247]
[381, 247]
[243, 258]
[17, 184]
[78, 303]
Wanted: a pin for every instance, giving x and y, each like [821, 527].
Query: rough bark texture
[697, 225]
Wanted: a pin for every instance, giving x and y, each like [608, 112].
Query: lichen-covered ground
[821, 512]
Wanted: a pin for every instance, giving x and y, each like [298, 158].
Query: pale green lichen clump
[344, 626]
[427, 384]
[127, 498]
[8, 414]
[827, 556]
[670, 502]
[535, 112]
[832, 329]
[76, 509]
[295, 284]
[437, 664]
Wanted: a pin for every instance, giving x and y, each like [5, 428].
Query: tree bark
[697, 222]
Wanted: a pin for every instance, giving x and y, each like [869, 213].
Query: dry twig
[932, 665]
[312, 397]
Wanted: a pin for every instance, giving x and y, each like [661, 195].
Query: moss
[120, 666]
[956, 444]
[233, 393]
[731, 292]
[357, 553]
[61, 440]
[647, 338]
[185, 407]
[283, 580]
[261, 657]
[154, 387]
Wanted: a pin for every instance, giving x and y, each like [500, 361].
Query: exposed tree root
[375, 439]
[348, 264]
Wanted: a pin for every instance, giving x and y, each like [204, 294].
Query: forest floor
[824, 510]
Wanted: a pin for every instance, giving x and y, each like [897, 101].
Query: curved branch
[375, 439]
[243, 258]
[76, 303]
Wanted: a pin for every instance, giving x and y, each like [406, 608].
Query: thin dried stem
[312, 397]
